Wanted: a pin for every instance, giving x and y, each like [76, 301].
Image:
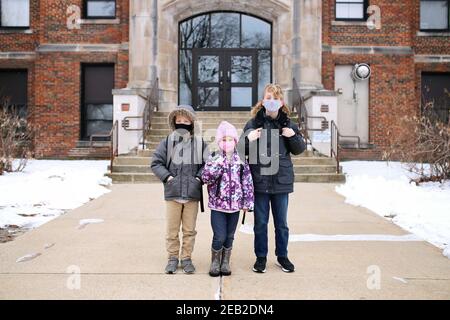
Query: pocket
[172, 187]
[286, 172]
[256, 175]
[194, 188]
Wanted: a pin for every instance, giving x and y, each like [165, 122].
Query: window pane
[98, 127]
[208, 97]
[241, 69]
[241, 97]
[433, 15]
[263, 71]
[99, 112]
[208, 69]
[13, 86]
[349, 10]
[15, 13]
[101, 8]
[185, 77]
[436, 94]
[194, 33]
[255, 33]
[98, 84]
[225, 30]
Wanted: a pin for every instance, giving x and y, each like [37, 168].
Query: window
[227, 32]
[100, 9]
[13, 89]
[97, 99]
[351, 9]
[436, 95]
[14, 13]
[434, 15]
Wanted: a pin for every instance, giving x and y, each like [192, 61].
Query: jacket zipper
[229, 181]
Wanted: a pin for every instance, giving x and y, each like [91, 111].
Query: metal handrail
[114, 143]
[335, 143]
[150, 107]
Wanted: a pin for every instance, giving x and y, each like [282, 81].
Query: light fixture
[361, 71]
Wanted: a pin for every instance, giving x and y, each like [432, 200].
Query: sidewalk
[124, 256]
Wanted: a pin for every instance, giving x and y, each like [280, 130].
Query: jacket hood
[183, 110]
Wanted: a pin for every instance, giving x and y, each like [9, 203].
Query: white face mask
[272, 105]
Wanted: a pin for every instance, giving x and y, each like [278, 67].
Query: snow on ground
[48, 188]
[384, 188]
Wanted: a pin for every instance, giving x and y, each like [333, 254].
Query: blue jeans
[224, 226]
[279, 204]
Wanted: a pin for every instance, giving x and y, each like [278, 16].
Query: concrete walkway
[124, 256]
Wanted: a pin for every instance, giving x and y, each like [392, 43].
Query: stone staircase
[135, 168]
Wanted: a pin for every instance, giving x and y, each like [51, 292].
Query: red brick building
[62, 67]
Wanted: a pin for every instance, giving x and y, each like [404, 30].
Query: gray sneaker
[187, 266]
[172, 265]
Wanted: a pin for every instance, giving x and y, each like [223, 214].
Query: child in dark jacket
[177, 162]
[230, 189]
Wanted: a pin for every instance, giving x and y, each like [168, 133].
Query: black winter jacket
[279, 179]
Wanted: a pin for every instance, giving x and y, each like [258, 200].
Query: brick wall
[54, 78]
[394, 88]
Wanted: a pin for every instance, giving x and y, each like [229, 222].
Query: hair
[277, 92]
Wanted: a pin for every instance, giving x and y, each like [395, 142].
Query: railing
[150, 107]
[335, 143]
[298, 105]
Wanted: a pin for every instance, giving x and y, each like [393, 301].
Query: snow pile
[48, 188]
[385, 189]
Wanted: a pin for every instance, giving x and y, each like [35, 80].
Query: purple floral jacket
[224, 183]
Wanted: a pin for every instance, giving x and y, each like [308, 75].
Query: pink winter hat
[226, 129]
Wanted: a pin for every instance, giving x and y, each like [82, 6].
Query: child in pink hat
[230, 189]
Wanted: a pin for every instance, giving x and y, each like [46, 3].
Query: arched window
[225, 60]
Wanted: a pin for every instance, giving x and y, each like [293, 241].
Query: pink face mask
[227, 146]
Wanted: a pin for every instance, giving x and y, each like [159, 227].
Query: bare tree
[16, 138]
[423, 142]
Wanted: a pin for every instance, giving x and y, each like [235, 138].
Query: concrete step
[299, 169]
[315, 169]
[131, 169]
[211, 124]
[125, 177]
[152, 147]
[132, 161]
[82, 153]
[320, 178]
[305, 161]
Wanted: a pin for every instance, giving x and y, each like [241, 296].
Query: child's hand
[288, 132]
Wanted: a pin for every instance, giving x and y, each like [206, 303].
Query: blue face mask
[272, 105]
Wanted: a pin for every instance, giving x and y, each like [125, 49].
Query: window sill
[100, 21]
[433, 34]
[16, 30]
[348, 23]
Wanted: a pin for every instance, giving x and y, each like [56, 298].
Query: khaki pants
[184, 215]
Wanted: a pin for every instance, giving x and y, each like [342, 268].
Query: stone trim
[368, 50]
[15, 31]
[84, 47]
[428, 58]
[99, 21]
[17, 55]
[432, 34]
[349, 23]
